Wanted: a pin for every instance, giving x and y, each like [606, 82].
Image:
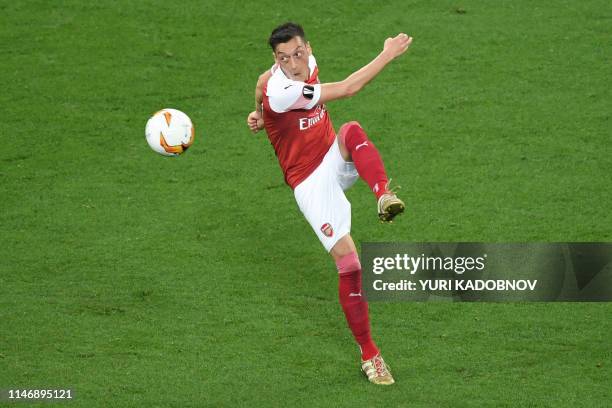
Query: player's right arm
[255, 119]
[393, 48]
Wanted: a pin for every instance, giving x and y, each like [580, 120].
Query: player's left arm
[393, 48]
[255, 119]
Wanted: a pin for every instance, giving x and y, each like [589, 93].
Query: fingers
[403, 37]
[398, 44]
[403, 40]
[252, 120]
[254, 125]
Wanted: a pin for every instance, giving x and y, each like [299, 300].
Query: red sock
[367, 160]
[353, 304]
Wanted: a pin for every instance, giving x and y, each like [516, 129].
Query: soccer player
[320, 164]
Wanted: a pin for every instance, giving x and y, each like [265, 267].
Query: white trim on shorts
[321, 197]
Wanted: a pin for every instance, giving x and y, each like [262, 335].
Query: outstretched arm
[393, 48]
[255, 119]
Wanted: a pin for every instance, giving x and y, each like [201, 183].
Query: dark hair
[284, 33]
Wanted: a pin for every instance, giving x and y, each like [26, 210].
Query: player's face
[292, 57]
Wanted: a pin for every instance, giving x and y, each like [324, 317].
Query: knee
[349, 127]
[351, 134]
[352, 123]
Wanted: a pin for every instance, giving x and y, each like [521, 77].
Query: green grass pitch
[143, 281]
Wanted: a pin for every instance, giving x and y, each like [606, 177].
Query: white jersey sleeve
[285, 95]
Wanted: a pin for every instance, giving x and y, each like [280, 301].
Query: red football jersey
[299, 129]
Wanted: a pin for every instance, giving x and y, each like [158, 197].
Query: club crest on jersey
[327, 229]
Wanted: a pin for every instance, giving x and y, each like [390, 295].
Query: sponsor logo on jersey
[308, 91]
[327, 229]
[306, 123]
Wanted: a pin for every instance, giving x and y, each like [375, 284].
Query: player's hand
[255, 121]
[397, 45]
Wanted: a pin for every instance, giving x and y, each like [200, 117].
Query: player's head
[291, 50]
